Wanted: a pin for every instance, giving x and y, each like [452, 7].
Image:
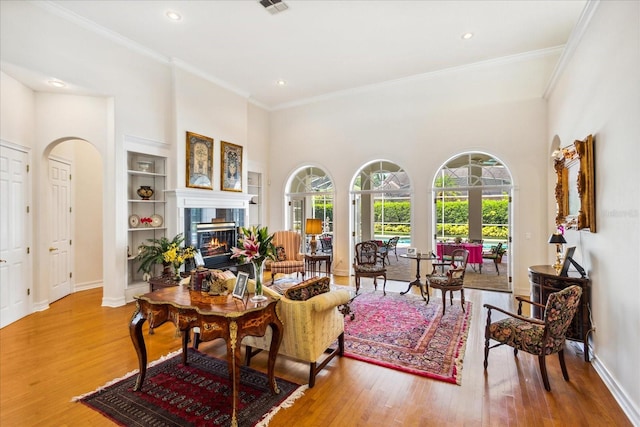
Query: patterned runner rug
[403, 332]
[198, 394]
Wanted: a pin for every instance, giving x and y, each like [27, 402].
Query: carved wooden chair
[494, 254]
[452, 279]
[534, 336]
[365, 264]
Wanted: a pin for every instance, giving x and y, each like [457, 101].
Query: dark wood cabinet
[544, 281]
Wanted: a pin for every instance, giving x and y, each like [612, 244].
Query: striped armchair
[294, 262]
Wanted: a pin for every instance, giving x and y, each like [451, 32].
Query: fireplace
[213, 232]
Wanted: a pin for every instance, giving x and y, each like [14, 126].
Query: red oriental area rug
[198, 394]
[403, 332]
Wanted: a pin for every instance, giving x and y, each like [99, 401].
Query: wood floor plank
[76, 346]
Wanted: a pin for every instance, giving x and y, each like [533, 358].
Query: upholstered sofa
[311, 320]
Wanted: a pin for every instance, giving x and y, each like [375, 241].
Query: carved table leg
[276, 340]
[135, 331]
[234, 362]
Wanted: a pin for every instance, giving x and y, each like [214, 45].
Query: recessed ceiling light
[56, 83]
[281, 82]
[173, 15]
[467, 36]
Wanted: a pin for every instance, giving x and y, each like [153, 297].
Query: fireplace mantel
[180, 199]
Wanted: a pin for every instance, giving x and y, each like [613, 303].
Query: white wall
[599, 94]
[419, 124]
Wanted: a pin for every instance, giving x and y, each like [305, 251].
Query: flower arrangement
[254, 246]
[164, 251]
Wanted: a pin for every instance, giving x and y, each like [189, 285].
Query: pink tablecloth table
[475, 252]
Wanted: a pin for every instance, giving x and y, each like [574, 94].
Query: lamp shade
[557, 239]
[313, 226]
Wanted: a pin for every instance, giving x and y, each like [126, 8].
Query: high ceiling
[323, 47]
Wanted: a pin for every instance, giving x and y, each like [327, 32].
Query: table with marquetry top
[216, 317]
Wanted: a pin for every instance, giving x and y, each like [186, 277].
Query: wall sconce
[558, 240]
[313, 227]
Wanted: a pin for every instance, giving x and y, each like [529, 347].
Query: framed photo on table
[231, 171]
[199, 161]
[241, 285]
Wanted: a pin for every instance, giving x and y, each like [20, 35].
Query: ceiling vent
[273, 6]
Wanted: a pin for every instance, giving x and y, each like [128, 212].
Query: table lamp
[313, 227]
[558, 240]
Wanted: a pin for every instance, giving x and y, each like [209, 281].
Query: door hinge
[28, 250]
[69, 177]
[27, 209]
[70, 275]
[353, 202]
[289, 202]
[510, 199]
[70, 210]
[27, 168]
[70, 242]
[353, 234]
[28, 291]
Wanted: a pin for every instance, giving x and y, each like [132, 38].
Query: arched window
[310, 194]
[381, 194]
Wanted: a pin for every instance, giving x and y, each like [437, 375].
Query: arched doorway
[310, 194]
[75, 216]
[381, 203]
[472, 195]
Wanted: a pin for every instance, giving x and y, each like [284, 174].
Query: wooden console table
[544, 281]
[216, 317]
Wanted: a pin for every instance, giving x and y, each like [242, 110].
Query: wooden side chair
[534, 336]
[452, 279]
[365, 264]
[494, 254]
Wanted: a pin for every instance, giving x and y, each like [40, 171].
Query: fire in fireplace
[214, 237]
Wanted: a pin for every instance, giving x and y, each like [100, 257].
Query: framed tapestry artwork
[199, 161]
[575, 186]
[231, 171]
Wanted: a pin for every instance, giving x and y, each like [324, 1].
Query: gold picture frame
[575, 186]
[199, 161]
[231, 170]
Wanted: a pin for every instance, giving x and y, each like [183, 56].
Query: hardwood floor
[76, 346]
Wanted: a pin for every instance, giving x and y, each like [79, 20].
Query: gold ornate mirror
[575, 186]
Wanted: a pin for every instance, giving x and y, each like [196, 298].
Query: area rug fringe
[264, 422]
[127, 375]
[462, 347]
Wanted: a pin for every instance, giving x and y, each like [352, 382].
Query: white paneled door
[60, 229]
[15, 268]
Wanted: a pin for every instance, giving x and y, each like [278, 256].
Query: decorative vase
[145, 192]
[258, 267]
[176, 270]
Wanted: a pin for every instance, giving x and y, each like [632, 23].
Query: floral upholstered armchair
[312, 323]
[538, 337]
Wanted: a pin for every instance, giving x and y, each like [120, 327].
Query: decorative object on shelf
[156, 220]
[254, 246]
[558, 240]
[575, 185]
[145, 166]
[231, 171]
[166, 252]
[313, 226]
[146, 221]
[134, 221]
[145, 192]
[199, 161]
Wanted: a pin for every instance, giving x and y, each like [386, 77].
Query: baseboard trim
[627, 405]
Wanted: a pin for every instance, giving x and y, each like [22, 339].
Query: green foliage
[394, 211]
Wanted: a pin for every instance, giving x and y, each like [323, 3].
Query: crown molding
[572, 44]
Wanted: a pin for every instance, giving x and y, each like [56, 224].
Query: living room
[499, 107]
